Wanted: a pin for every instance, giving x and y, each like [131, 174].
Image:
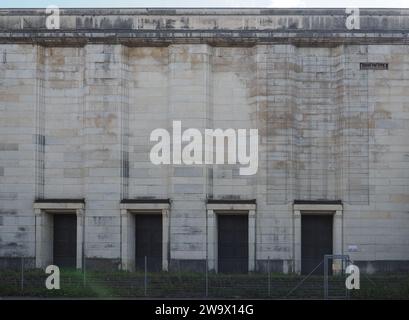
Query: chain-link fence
[202, 284]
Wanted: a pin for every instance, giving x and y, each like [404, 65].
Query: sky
[206, 3]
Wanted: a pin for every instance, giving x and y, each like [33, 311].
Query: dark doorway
[233, 248]
[316, 241]
[65, 240]
[148, 241]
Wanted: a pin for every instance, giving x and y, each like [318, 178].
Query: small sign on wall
[353, 248]
[373, 66]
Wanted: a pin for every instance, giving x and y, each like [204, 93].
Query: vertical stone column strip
[190, 103]
[260, 120]
[279, 115]
[356, 126]
[211, 264]
[40, 122]
[209, 114]
[82, 100]
[44, 238]
[338, 239]
[124, 114]
[102, 147]
[83, 91]
[338, 73]
[260, 58]
[297, 241]
[80, 238]
[211, 241]
[338, 233]
[165, 239]
[38, 238]
[125, 259]
[252, 239]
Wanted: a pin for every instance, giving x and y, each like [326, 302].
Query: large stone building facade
[78, 105]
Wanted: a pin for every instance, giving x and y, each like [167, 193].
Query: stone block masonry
[77, 106]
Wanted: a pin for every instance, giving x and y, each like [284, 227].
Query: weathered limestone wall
[18, 144]
[75, 123]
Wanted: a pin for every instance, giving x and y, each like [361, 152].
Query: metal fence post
[146, 279]
[22, 274]
[84, 273]
[269, 276]
[84, 263]
[207, 278]
[325, 277]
